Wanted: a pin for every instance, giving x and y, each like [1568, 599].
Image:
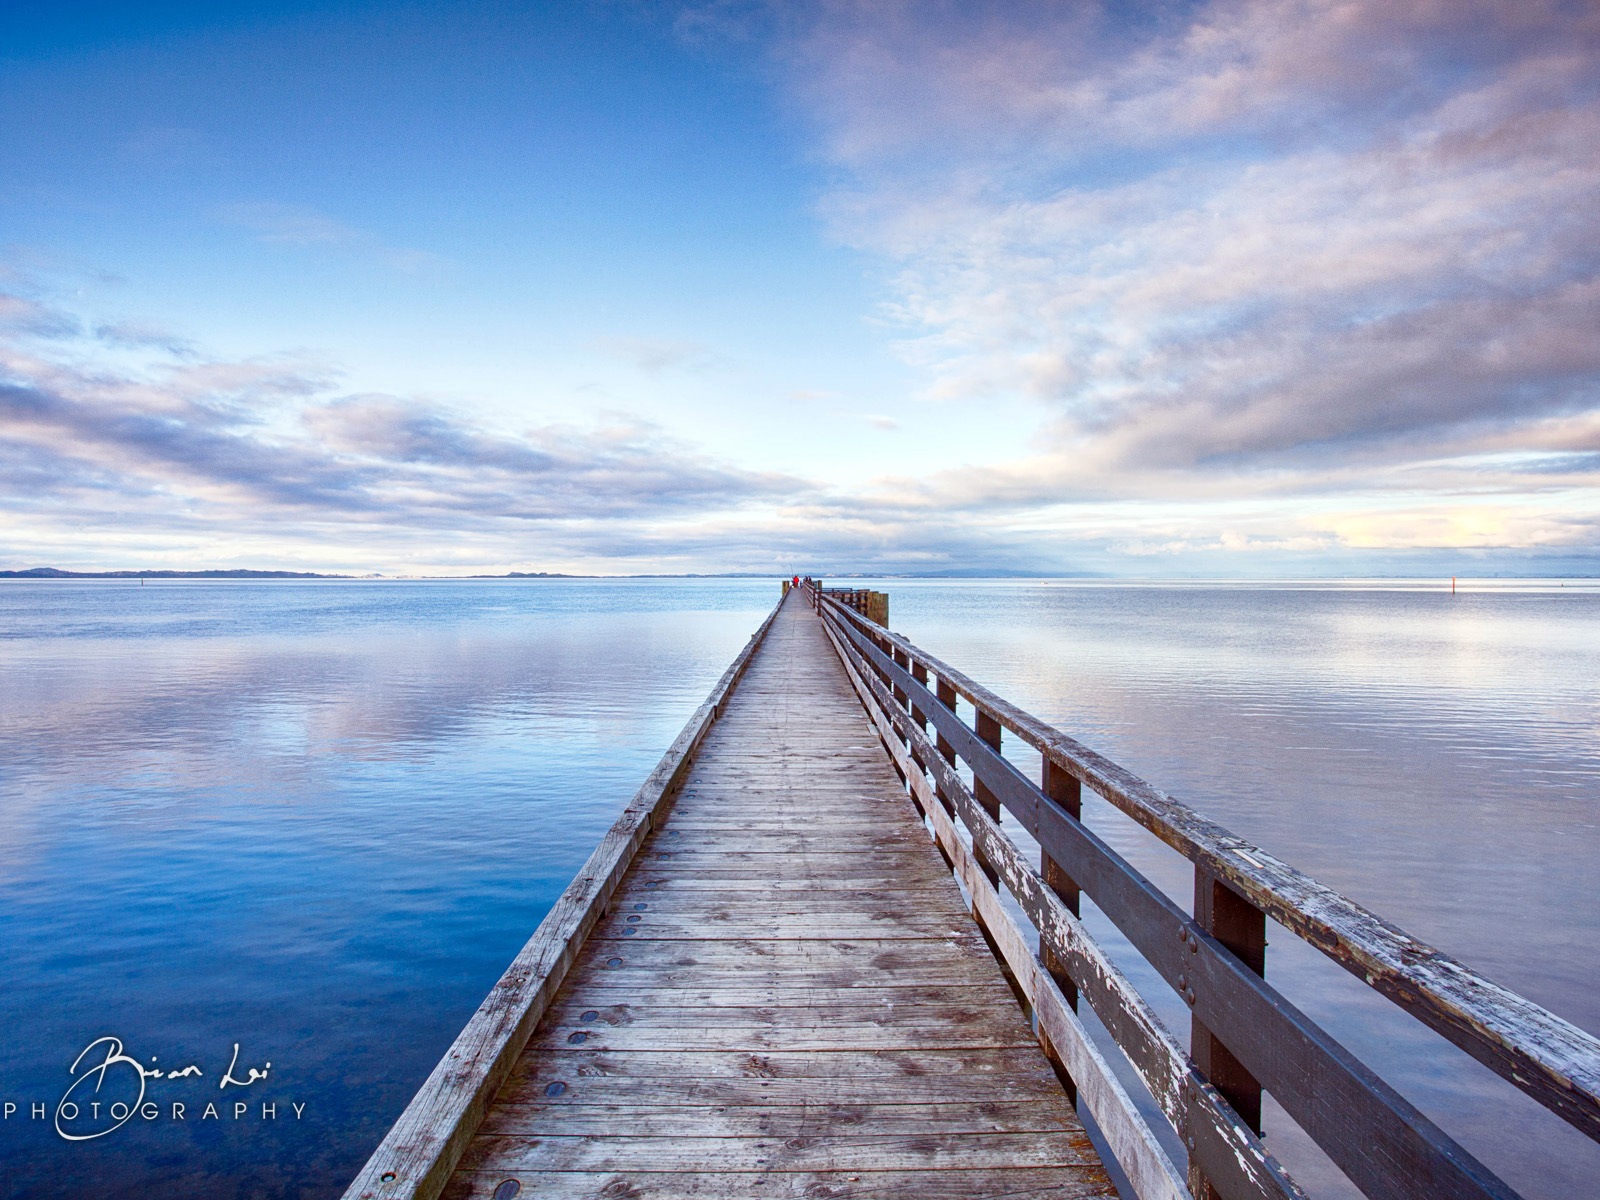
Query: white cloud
[1308, 249]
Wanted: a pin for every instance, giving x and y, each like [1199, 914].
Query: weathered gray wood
[829, 1084]
[1134, 1144]
[1554, 1061]
[1225, 1146]
[1388, 1147]
[830, 926]
[1017, 1183]
[695, 1068]
[795, 945]
[628, 1150]
[509, 1118]
[906, 967]
[417, 1155]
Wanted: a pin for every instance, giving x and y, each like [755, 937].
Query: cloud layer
[1302, 245]
[1308, 285]
[181, 446]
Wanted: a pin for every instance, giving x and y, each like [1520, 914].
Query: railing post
[988, 730]
[1242, 928]
[1063, 787]
[1066, 790]
[920, 674]
[946, 695]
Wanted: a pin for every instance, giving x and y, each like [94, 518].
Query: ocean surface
[313, 821]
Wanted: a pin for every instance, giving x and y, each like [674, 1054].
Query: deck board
[787, 997]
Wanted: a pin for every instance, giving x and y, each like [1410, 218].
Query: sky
[1172, 289]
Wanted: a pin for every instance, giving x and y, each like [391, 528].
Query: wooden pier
[766, 981]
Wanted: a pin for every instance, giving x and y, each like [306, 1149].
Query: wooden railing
[874, 606]
[1246, 1037]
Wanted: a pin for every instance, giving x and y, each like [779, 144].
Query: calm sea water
[316, 820]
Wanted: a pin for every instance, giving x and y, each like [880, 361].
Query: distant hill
[58, 573]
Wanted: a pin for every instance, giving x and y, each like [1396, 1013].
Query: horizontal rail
[1138, 1149]
[1212, 1130]
[1386, 1146]
[1550, 1059]
[416, 1157]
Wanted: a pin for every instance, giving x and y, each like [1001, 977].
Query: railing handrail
[1549, 1058]
[1247, 1037]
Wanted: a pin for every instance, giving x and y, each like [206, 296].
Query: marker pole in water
[1452, 585]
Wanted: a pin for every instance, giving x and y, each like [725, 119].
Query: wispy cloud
[270, 449]
[655, 355]
[1304, 248]
[300, 228]
[140, 335]
[33, 318]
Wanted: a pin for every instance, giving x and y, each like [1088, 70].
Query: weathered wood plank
[696, 1067]
[761, 1039]
[596, 996]
[884, 954]
[509, 1118]
[911, 972]
[779, 927]
[823, 1152]
[932, 1090]
[993, 1183]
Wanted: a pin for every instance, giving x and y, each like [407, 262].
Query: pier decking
[766, 982]
[788, 997]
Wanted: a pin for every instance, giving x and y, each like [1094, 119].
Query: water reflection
[316, 819]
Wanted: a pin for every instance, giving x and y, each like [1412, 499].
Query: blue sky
[1175, 289]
